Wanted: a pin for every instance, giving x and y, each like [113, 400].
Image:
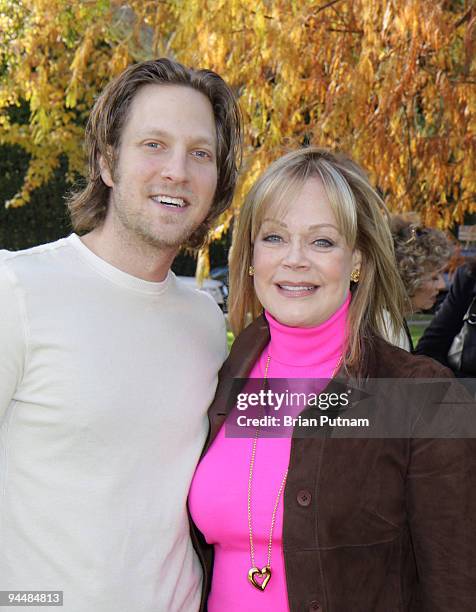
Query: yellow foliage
[388, 81]
[203, 265]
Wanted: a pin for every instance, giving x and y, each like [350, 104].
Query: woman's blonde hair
[378, 299]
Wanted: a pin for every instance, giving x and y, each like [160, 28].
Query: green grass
[416, 331]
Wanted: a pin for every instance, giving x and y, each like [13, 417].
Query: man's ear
[105, 172]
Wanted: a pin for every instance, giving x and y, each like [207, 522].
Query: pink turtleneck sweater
[218, 495]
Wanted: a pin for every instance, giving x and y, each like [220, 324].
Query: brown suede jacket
[370, 525]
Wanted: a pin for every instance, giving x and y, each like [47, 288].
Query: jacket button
[304, 499]
[315, 606]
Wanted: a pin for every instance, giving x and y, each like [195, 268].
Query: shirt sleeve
[441, 498]
[441, 507]
[225, 339]
[12, 338]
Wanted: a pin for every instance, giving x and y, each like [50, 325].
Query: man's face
[166, 171]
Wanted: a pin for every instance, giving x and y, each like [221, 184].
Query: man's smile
[169, 201]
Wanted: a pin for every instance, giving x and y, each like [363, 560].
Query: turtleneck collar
[304, 346]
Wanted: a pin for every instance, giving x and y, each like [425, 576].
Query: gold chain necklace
[264, 574]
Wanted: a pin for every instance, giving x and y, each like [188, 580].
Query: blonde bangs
[341, 199]
[277, 188]
[273, 196]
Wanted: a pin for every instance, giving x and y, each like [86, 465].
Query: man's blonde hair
[88, 206]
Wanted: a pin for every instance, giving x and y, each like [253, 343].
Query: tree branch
[322, 8]
[409, 149]
[464, 18]
[345, 31]
[265, 16]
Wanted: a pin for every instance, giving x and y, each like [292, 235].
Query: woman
[448, 321]
[326, 524]
[422, 254]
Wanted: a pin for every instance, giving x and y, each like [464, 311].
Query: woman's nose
[440, 282]
[295, 255]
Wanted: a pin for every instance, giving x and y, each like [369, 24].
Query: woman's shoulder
[388, 361]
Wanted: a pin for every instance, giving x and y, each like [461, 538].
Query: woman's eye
[152, 145]
[323, 242]
[272, 238]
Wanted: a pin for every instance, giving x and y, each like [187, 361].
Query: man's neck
[135, 257]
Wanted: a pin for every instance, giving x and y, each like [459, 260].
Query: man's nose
[174, 166]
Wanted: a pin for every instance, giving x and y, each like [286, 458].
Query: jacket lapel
[243, 355]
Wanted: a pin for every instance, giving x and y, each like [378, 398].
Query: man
[108, 364]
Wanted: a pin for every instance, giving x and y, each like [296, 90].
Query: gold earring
[251, 271]
[355, 276]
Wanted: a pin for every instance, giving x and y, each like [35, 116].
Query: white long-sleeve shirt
[105, 380]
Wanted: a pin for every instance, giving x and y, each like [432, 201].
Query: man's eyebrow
[202, 139]
[310, 228]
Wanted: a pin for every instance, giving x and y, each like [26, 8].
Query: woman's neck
[303, 346]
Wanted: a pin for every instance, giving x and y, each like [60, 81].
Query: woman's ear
[356, 260]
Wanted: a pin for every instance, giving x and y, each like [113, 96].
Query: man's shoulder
[464, 281]
[195, 297]
[32, 255]
[201, 318]
[38, 271]
[28, 272]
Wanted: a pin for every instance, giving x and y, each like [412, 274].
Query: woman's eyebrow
[321, 225]
[310, 228]
[281, 223]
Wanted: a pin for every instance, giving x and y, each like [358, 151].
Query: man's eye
[202, 154]
[153, 145]
[272, 238]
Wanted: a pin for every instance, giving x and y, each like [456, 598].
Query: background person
[108, 364]
[422, 254]
[326, 524]
[448, 321]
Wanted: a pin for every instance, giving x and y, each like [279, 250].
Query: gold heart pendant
[255, 574]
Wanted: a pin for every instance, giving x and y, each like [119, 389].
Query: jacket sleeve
[442, 516]
[447, 322]
[12, 338]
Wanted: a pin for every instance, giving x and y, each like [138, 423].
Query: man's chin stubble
[163, 242]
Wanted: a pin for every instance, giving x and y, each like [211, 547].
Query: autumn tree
[392, 82]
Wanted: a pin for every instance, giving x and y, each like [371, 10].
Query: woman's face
[425, 295]
[302, 262]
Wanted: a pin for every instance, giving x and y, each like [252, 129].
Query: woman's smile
[296, 290]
